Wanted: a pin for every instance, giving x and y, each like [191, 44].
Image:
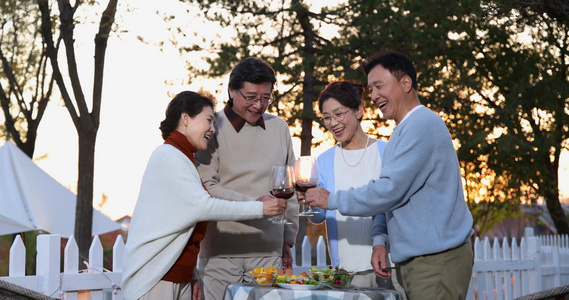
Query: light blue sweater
[326, 169]
[419, 190]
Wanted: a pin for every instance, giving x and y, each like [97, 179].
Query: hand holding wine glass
[306, 173]
[272, 206]
[281, 185]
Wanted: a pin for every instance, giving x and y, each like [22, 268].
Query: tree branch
[66, 13]
[51, 51]
[107, 20]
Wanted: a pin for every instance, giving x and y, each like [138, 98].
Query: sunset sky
[134, 100]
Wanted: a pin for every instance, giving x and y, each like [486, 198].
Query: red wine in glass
[304, 187]
[282, 193]
[281, 185]
[307, 175]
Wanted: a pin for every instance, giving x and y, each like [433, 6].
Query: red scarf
[182, 270]
[181, 142]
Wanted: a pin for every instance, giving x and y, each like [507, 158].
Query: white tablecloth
[247, 291]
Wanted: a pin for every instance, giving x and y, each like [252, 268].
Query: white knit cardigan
[170, 203]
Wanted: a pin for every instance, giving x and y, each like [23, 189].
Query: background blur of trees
[496, 71]
[32, 34]
[26, 83]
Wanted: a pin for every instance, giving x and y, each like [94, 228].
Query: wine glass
[306, 173]
[281, 185]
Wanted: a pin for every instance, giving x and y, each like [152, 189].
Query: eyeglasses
[251, 100]
[339, 117]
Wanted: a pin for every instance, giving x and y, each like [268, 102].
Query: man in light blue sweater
[419, 189]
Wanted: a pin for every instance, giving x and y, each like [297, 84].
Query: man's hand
[379, 261]
[287, 257]
[196, 290]
[317, 197]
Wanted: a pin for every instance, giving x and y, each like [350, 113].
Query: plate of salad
[332, 276]
[297, 282]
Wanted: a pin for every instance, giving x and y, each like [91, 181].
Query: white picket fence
[501, 271]
[51, 281]
[508, 271]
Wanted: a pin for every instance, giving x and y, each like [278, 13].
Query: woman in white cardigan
[173, 207]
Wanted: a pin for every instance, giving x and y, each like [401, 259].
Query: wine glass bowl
[281, 185]
[307, 176]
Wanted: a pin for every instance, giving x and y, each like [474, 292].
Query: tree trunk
[548, 186]
[84, 210]
[308, 83]
[86, 123]
[550, 191]
[557, 214]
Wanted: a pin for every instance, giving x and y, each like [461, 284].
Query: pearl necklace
[361, 158]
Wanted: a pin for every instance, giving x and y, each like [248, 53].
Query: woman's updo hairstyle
[188, 102]
[348, 92]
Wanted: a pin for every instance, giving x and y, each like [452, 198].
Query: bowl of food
[332, 276]
[263, 279]
[264, 276]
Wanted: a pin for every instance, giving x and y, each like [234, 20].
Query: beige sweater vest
[236, 167]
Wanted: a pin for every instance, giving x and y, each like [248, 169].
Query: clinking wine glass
[306, 173]
[281, 185]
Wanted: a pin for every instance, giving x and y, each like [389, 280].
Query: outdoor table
[250, 291]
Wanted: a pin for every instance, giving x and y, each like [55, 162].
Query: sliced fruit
[270, 270]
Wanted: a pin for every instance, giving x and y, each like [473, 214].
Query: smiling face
[343, 127]
[199, 129]
[395, 98]
[250, 112]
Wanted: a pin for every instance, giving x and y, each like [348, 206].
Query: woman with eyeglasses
[353, 162]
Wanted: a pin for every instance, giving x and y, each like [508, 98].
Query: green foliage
[515, 124]
[29, 240]
[25, 82]
[5, 244]
[489, 214]
[289, 36]
[496, 72]
[504, 98]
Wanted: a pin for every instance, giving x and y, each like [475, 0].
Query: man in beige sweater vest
[236, 166]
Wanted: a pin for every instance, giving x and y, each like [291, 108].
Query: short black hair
[396, 63]
[252, 70]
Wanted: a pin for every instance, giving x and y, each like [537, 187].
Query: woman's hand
[272, 206]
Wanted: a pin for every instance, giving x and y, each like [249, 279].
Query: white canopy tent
[30, 199]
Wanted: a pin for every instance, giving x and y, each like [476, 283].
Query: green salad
[295, 280]
[338, 276]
